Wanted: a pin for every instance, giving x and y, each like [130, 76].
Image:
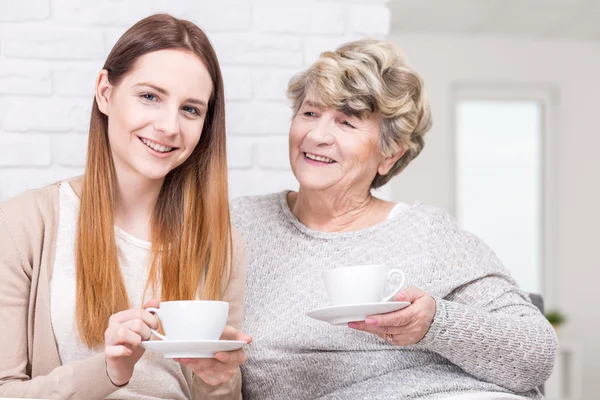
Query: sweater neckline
[282, 197]
[127, 237]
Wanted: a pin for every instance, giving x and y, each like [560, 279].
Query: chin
[314, 183]
[153, 173]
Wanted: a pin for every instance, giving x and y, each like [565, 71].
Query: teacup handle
[391, 273]
[156, 311]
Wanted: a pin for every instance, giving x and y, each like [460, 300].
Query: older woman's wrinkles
[360, 117]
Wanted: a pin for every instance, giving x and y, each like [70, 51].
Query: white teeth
[319, 158]
[156, 146]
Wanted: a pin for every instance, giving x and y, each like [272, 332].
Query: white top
[397, 209]
[153, 374]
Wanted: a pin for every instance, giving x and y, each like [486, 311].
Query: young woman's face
[156, 112]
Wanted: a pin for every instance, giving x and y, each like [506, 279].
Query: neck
[135, 202]
[343, 211]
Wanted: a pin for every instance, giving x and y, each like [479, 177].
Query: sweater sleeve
[486, 325]
[86, 379]
[235, 295]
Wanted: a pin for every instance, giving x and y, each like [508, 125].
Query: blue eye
[149, 97]
[191, 110]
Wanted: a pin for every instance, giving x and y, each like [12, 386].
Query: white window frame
[547, 96]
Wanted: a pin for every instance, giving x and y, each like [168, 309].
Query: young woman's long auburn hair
[190, 226]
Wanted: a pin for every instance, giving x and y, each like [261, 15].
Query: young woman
[148, 221]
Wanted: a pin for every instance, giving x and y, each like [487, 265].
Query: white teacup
[191, 319]
[360, 284]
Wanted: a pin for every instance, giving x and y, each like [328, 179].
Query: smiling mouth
[322, 159]
[156, 147]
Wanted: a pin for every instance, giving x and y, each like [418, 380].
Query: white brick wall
[52, 50]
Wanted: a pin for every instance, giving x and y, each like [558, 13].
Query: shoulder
[439, 228]
[238, 243]
[249, 203]
[31, 208]
[25, 219]
[429, 218]
[247, 210]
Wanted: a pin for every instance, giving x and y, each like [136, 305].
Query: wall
[51, 52]
[569, 72]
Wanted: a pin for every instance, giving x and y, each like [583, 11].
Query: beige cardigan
[29, 361]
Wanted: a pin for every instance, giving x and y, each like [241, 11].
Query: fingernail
[371, 321]
[353, 325]
[399, 297]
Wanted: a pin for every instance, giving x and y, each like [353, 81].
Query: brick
[17, 150]
[76, 79]
[257, 49]
[100, 13]
[240, 152]
[70, 150]
[23, 11]
[285, 17]
[258, 118]
[5, 105]
[48, 114]
[313, 47]
[24, 78]
[256, 182]
[16, 180]
[223, 15]
[238, 83]
[271, 84]
[273, 152]
[52, 43]
[377, 24]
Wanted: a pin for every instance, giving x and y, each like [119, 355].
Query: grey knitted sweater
[486, 334]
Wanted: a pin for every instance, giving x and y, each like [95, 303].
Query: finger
[121, 334]
[207, 365]
[230, 333]
[133, 313]
[236, 357]
[138, 326]
[210, 379]
[403, 317]
[152, 303]
[377, 330]
[410, 294]
[117, 351]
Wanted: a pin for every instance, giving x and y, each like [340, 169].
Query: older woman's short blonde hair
[371, 76]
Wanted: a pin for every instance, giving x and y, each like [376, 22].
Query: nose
[321, 132]
[167, 121]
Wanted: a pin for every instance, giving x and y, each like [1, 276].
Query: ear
[387, 163]
[103, 91]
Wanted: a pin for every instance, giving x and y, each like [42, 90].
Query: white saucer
[338, 315]
[192, 348]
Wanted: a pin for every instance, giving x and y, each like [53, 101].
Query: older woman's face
[329, 149]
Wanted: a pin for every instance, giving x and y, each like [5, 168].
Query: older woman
[360, 114]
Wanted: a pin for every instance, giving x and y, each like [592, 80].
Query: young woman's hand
[126, 331]
[224, 366]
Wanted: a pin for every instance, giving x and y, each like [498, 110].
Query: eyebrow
[166, 93]
[311, 103]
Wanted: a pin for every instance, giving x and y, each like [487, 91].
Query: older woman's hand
[406, 326]
[224, 366]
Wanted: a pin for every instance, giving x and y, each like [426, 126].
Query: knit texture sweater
[486, 334]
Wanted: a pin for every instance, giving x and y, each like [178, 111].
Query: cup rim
[194, 301]
[355, 267]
